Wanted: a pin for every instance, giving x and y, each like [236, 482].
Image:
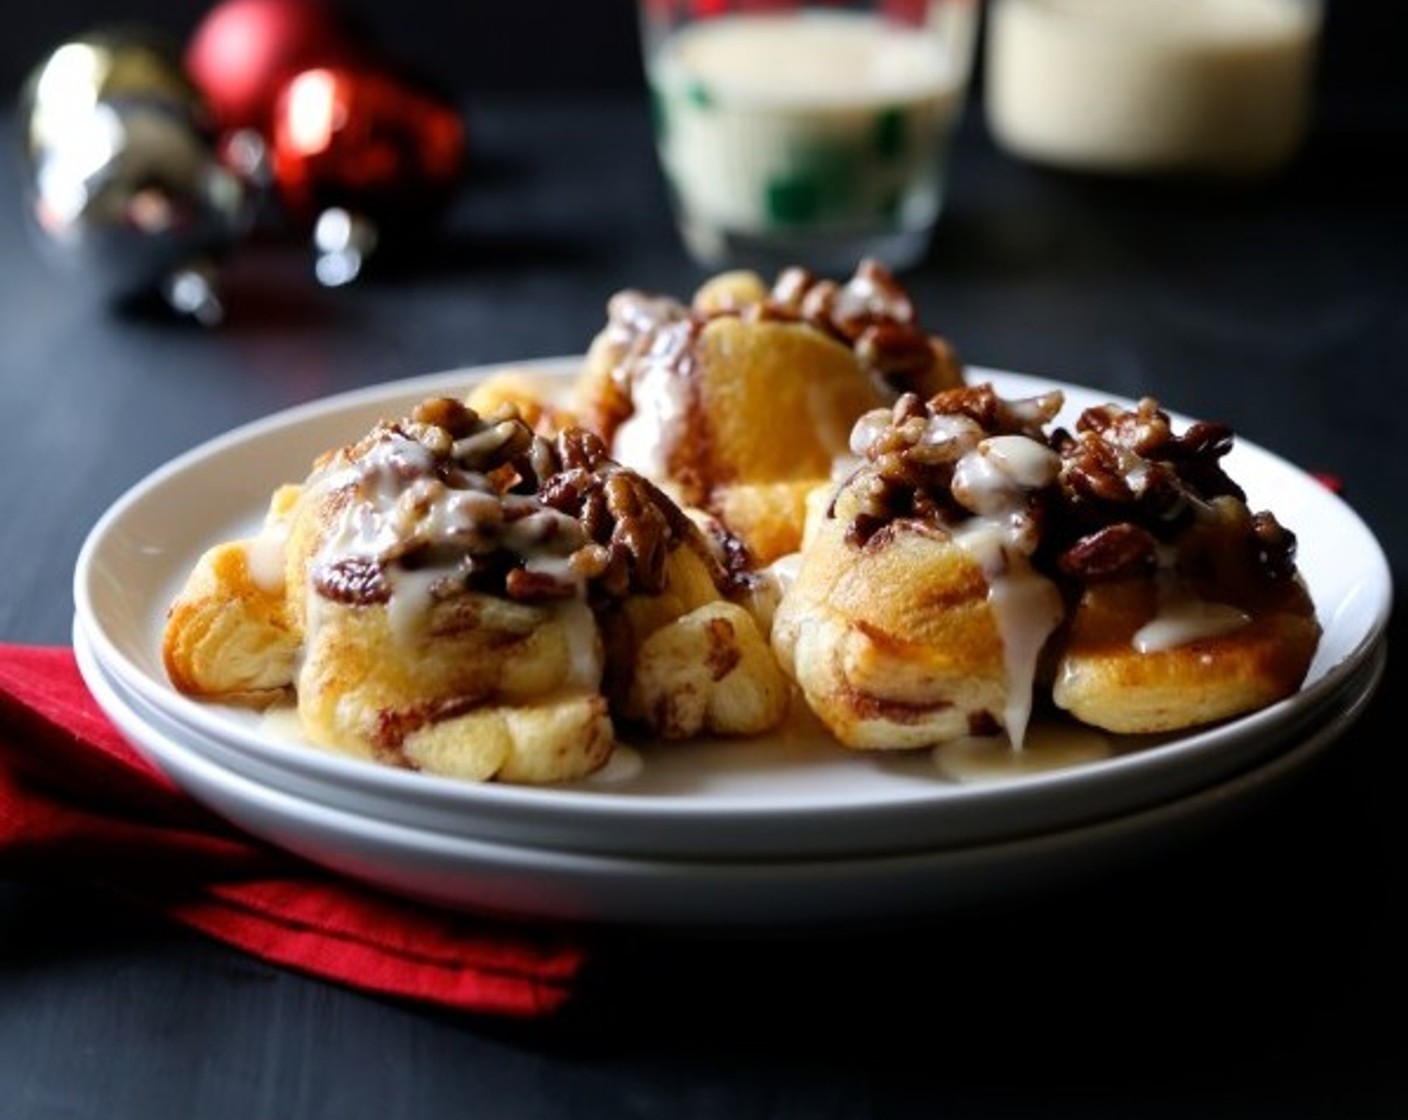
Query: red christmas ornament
[243, 53]
[365, 140]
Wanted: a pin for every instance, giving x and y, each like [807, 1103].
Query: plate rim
[741, 844]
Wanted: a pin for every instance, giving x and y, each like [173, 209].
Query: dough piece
[525, 392]
[975, 561]
[444, 588]
[740, 403]
[1205, 637]
[1188, 606]
[229, 632]
[915, 616]
[446, 693]
[893, 642]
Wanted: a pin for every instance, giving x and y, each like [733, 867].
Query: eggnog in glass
[1220, 87]
[807, 133]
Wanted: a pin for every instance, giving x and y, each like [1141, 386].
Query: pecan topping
[1115, 550]
[913, 453]
[353, 580]
[871, 313]
[1128, 481]
[631, 524]
[481, 502]
[1275, 545]
[1125, 483]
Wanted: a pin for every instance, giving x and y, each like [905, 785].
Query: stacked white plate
[785, 830]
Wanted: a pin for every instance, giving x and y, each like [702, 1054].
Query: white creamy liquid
[1219, 86]
[1048, 747]
[805, 121]
[993, 480]
[265, 557]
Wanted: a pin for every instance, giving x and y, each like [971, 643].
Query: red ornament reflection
[243, 52]
[365, 140]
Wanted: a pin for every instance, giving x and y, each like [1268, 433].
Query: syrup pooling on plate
[1048, 747]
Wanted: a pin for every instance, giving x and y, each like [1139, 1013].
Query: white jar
[1152, 86]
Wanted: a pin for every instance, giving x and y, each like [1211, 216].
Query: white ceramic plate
[905, 828]
[698, 895]
[780, 797]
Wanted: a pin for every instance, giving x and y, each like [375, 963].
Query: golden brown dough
[228, 633]
[1209, 639]
[975, 561]
[523, 391]
[231, 632]
[915, 619]
[740, 403]
[1188, 607]
[497, 588]
[446, 589]
[893, 643]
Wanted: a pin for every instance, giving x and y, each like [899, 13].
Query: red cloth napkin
[77, 801]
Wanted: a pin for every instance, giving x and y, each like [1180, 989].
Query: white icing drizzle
[783, 571]
[939, 430]
[993, 480]
[1026, 605]
[546, 540]
[484, 441]
[1048, 747]
[586, 659]
[1188, 620]
[945, 428]
[399, 498]
[866, 430]
[1011, 460]
[281, 723]
[264, 557]
[408, 609]
[661, 399]
[1181, 615]
[624, 764]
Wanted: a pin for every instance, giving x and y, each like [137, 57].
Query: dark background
[548, 47]
[557, 47]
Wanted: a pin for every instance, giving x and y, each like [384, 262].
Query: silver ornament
[126, 189]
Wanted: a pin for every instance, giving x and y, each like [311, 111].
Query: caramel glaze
[1122, 500]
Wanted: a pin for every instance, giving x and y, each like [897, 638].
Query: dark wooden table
[1257, 971]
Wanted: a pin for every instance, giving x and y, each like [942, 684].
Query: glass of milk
[1145, 87]
[805, 133]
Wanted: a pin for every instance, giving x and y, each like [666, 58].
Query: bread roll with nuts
[1188, 607]
[740, 402]
[976, 562]
[916, 615]
[462, 596]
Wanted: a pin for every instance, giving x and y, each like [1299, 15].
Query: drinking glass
[1139, 87]
[808, 133]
